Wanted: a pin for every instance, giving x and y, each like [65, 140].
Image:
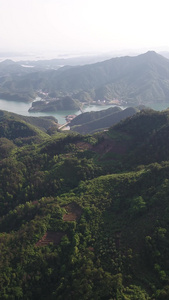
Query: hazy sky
[83, 25]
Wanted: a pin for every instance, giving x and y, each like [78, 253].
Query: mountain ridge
[142, 79]
[102, 121]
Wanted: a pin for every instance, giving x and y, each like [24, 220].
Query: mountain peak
[152, 55]
[151, 52]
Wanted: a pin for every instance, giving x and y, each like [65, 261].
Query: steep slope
[14, 128]
[93, 115]
[86, 217]
[140, 139]
[102, 123]
[43, 123]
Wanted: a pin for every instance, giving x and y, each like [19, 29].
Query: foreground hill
[25, 130]
[86, 217]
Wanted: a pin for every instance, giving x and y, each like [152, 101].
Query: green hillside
[85, 217]
[63, 103]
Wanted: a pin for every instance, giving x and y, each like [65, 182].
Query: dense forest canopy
[85, 217]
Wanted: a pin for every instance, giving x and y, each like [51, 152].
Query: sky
[83, 26]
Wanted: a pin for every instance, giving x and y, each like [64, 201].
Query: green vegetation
[85, 217]
[91, 122]
[63, 103]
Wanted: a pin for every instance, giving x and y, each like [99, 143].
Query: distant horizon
[83, 27]
[47, 55]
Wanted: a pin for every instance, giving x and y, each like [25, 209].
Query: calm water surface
[22, 108]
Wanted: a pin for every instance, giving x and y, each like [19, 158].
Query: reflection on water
[22, 108]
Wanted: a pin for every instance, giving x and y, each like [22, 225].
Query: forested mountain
[10, 119]
[63, 103]
[135, 80]
[91, 122]
[85, 217]
[142, 79]
[10, 72]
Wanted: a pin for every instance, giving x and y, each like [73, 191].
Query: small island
[53, 105]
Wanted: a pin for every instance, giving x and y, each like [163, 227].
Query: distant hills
[142, 79]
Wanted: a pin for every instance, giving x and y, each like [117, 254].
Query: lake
[22, 108]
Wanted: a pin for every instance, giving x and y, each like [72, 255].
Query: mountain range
[142, 79]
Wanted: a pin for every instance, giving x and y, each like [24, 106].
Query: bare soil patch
[83, 146]
[50, 237]
[73, 212]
